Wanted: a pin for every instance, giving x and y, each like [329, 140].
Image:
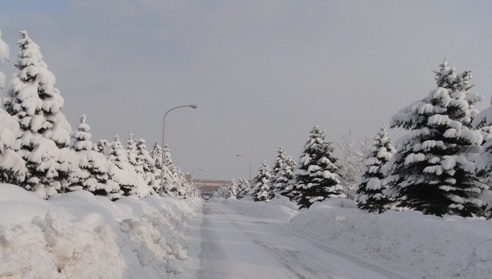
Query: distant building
[210, 185]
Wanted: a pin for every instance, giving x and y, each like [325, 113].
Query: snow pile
[79, 235]
[427, 246]
[277, 208]
[423, 245]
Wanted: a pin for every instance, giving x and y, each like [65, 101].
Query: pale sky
[263, 73]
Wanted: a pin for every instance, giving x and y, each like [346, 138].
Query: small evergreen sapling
[371, 193]
[261, 184]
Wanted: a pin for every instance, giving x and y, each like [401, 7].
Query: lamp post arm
[250, 163]
[162, 147]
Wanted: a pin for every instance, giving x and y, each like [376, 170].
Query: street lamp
[250, 163]
[163, 129]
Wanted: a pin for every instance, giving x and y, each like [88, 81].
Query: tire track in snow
[298, 256]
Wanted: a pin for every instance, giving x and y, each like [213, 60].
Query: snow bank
[277, 208]
[422, 245]
[427, 246]
[79, 235]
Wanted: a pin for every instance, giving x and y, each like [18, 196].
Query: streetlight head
[193, 106]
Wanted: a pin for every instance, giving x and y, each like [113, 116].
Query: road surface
[238, 246]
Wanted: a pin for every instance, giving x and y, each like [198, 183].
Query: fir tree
[121, 171]
[156, 155]
[36, 103]
[131, 149]
[12, 166]
[431, 170]
[147, 164]
[92, 173]
[171, 186]
[243, 189]
[316, 176]
[283, 172]
[261, 184]
[4, 56]
[371, 193]
[233, 188]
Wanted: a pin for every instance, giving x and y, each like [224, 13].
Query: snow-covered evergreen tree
[431, 170]
[12, 166]
[122, 172]
[102, 146]
[171, 186]
[131, 149]
[92, 173]
[183, 186]
[282, 173]
[233, 187]
[316, 177]
[147, 164]
[36, 103]
[243, 189]
[261, 184]
[483, 122]
[156, 155]
[351, 163]
[371, 193]
[4, 56]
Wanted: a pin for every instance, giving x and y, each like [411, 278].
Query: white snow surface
[79, 235]
[420, 245]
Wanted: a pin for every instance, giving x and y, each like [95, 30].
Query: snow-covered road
[238, 246]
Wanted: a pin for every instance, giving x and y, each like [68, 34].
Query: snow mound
[79, 235]
[277, 208]
[427, 246]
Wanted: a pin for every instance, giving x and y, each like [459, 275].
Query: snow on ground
[422, 245]
[79, 235]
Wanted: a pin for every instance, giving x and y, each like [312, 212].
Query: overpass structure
[210, 185]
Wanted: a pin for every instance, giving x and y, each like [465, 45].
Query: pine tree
[36, 103]
[4, 56]
[121, 171]
[316, 176]
[12, 166]
[371, 193]
[431, 170]
[233, 188]
[171, 185]
[261, 184]
[147, 164]
[243, 189]
[283, 172]
[483, 160]
[92, 173]
[156, 155]
[131, 149]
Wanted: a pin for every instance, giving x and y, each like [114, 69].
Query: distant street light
[163, 129]
[250, 163]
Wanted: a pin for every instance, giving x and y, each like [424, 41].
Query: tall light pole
[250, 163]
[163, 130]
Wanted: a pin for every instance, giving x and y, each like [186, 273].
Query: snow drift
[423, 245]
[427, 246]
[79, 235]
